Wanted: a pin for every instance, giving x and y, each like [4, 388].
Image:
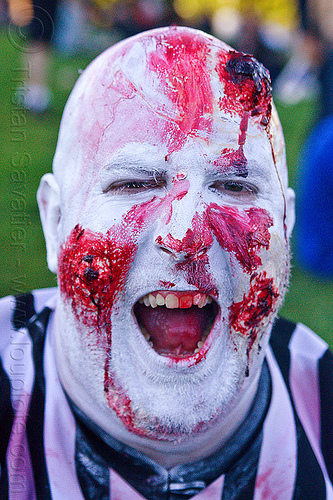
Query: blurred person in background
[37, 19]
[133, 16]
[314, 235]
[309, 72]
[253, 26]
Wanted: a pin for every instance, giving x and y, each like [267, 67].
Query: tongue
[174, 332]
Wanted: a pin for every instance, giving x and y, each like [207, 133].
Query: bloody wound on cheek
[93, 267]
[92, 273]
[246, 316]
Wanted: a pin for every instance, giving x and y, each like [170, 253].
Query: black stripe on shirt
[239, 481]
[91, 469]
[35, 421]
[23, 311]
[310, 482]
[325, 366]
[6, 423]
[282, 332]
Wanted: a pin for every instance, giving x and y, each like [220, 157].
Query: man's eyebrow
[147, 162]
[134, 167]
[253, 169]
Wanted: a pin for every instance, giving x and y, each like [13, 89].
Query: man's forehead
[148, 157]
[169, 84]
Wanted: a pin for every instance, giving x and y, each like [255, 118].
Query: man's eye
[236, 188]
[134, 186]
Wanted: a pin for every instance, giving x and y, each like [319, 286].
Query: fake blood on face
[93, 267]
[195, 240]
[231, 160]
[242, 233]
[239, 232]
[181, 64]
[235, 160]
[247, 86]
[190, 253]
[92, 273]
[247, 92]
[247, 315]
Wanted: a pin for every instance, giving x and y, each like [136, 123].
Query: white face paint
[174, 245]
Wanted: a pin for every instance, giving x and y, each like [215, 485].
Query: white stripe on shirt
[277, 471]
[18, 364]
[306, 349]
[120, 489]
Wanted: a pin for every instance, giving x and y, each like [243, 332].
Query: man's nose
[185, 239]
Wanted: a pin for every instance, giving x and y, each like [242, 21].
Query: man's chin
[166, 425]
[176, 401]
[168, 396]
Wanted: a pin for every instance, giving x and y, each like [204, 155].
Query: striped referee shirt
[50, 450]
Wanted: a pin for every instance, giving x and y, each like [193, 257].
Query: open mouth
[176, 324]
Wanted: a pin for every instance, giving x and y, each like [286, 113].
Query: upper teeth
[173, 301]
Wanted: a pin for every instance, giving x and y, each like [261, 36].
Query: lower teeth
[197, 349]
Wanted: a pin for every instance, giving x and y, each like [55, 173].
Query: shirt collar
[154, 481]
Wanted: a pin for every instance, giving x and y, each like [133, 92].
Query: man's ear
[48, 198]
[290, 210]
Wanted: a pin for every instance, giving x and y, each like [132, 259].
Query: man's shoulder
[17, 311]
[297, 347]
[289, 337]
[35, 301]
[306, 364]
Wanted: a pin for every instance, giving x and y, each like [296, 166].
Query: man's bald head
[172, 82]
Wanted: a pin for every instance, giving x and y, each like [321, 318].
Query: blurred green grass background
[23, 264]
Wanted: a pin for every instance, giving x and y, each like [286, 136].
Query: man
[167, 219]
